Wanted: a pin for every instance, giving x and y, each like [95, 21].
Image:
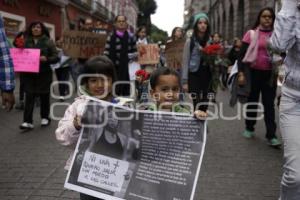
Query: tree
[158, 34]
[146, 8]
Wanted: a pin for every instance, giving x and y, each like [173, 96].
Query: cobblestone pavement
[234, 168]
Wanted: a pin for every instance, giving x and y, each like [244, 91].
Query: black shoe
[20, 106]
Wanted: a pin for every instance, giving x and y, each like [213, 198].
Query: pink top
[263, 61]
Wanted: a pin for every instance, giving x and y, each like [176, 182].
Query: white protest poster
[137, 155]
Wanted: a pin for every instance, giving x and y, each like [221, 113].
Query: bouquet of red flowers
[213, 49]
[213, 56]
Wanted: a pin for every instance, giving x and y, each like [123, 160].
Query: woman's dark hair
[174, 31]
[140, 29]
[116, 18]
[45, 30]
[204, 40]
[257, 22]
[160, 72]
[99, 65]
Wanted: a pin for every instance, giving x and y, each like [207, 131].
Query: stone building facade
[230, 18]
[59, 15]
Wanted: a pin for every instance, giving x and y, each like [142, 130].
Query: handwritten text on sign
[148, 54]
[174, 51]
[103, 172]
[26, 60]
[83, 44]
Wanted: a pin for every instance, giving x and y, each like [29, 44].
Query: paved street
[234, 168]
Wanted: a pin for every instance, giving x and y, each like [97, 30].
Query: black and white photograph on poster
[129, 154]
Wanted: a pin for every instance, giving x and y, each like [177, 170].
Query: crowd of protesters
[254, 57]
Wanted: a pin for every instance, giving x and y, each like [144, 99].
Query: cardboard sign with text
[174, 51]
[148, 54]
[83, 44]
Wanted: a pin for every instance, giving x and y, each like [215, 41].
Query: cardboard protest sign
[83, 44]
[174, 51]
[129, 154]
[148, 54]
[26, 60]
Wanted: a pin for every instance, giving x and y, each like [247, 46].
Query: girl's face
[178, 33]
[142, 33]
[266, 19]
[216, 38]
[166, 91]
[99, 87]
[36, 30]
[238, 43]
[202, 25]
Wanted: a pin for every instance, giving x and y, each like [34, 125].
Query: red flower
[213, 49]
[19, 42]
[142, 73]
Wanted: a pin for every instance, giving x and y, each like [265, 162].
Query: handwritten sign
[148, 54]
[83, 44]
[26, 60]
[174, 51]
[102, 171]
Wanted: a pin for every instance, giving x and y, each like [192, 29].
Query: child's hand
[199, 114]
[77, 122]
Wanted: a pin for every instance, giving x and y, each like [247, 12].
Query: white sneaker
[45, 122]
[61, 98]
[26, 125]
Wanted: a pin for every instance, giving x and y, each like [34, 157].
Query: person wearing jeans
[286, 38]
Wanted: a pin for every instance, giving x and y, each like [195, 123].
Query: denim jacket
[191, 59]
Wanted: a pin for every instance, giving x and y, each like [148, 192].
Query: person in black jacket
[121, 48]
[38, 84]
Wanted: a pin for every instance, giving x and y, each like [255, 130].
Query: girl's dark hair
[45, 30]
[160, 72]
[140, 29]
[204, 40]
[257, 22]
[174, 30]
[99, 65]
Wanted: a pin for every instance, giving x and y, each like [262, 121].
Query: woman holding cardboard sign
[38, 84]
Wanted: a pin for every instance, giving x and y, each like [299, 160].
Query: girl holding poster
[101, 76]
[38, 84]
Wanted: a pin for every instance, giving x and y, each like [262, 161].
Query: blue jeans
[290, 126]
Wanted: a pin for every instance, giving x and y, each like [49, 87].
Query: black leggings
[199, 83]
[261, 84]
[29, 106]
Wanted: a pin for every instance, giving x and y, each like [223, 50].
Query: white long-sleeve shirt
[286, 38]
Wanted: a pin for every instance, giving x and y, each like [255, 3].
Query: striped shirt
[7, 77]
[286, 38]
[132, 50]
